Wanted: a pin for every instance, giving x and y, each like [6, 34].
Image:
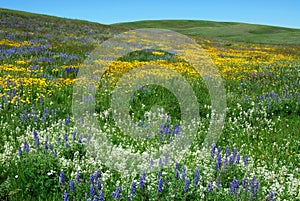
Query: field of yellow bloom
[45, 154]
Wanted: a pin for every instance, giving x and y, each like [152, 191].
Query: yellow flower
[158, 53]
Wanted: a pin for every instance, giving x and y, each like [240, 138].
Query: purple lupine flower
[133, 188]
[41, 99]
[46, 112]
[78, 177]
[271, 196]
[176, 129]
[26, 147]
[46, 145]
[35, 116]
[97, 175]
[225, 162]
[80, 139]
[254, 187]
[99, 185]
[67, 120]
[166, 159]
[186, 184]
[74, 136]
[19, 151]
[59, 140]
[92, 178]
[246, 160]
[219, 150]
[54, 153]
[36, 138]
[183, 174]
[160, 185]
[234, 152]
[72, 185]
[197, 177]
[159, 175]
[176, 166]
[160, 162]
[210, 187]
[213, 151]
[219, 162]
[151, 162]
[53, 112]
[43, 119]
[101, 196]
[92, 190]
[177, 174]
[244, 183]
[65, 137]
[117, 194]
[95, 198]
[144, 175]
[234, 185]
[142, 182]
[51, 147]
[231, 160]
[67, 145]
[65, 196]
[227, 152]
[62, 178]
[238, 158]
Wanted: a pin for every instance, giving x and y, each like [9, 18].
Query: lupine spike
[72, 185]
[160, 185]
[62, 178]
[186, 184]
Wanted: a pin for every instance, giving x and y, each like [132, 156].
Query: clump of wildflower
[117, 193]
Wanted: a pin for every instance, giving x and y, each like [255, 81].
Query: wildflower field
[45, 155]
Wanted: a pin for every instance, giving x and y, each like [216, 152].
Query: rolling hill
[232, 31]
[240, 32]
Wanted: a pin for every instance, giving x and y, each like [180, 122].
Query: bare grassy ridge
[239, 32]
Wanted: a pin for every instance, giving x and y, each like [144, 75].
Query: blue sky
[278, 13]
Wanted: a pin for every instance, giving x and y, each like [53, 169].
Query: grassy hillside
[240, 32]
[53, 145]
[19, 26]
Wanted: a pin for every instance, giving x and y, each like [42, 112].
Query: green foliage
[34, 175]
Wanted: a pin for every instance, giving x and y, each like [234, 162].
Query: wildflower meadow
[53, 147]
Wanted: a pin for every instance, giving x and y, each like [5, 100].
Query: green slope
[240, 32]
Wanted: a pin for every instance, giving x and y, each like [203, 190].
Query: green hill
[240, 32]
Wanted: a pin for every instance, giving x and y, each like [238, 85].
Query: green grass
[239, 32]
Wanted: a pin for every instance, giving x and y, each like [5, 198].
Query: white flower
[51, 172]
